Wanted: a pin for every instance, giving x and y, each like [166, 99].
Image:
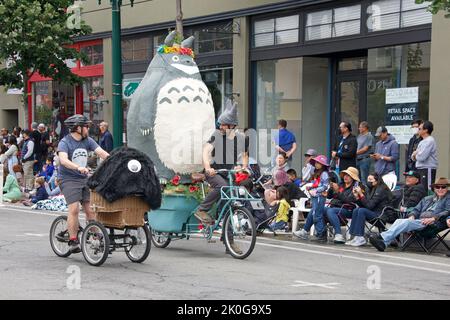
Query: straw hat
[352, 172]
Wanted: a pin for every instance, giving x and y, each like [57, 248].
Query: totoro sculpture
[171, 113]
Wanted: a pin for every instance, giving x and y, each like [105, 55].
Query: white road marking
[338, 249]
[36, 234]
[331, 285]
[55, 214]
[318, 252]
[404, 265]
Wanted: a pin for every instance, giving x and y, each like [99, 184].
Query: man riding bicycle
[222, 151]
[73, 173]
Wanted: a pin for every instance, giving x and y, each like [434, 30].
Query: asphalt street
[194, 269]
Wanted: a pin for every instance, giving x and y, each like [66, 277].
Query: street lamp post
[117, 72]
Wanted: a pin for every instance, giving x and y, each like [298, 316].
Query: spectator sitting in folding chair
[371, 206]
[430, 211]
[409, 196]
[342, 201]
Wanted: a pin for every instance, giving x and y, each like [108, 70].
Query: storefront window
[276, 31]
[278, 97]
[220, 84]
[53, 103]
[333, 23]
[94, 54]
[93, 101]
[394, 14]
[212, 38]
[138, 49]
[397, 67]
[42, 102]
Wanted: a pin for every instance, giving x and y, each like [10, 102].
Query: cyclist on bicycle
[222, 151]
[73, 154]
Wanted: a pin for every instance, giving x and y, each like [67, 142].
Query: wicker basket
[125, 212]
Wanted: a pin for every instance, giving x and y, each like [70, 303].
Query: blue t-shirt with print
[78, 154]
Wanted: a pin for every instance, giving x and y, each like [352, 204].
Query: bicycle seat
[197, 177]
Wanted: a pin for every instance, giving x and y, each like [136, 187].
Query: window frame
[297, 13]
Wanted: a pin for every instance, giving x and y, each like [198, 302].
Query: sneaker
[349, 242]
[339, 238]
[302, 234]
[62, 236]
[74, 246]
[358, 242]
[378, 242]
[204, 217]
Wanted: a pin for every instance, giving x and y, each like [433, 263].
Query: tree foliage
[34, 37]
[437, 5]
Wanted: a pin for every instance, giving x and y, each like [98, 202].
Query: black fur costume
[113, 180]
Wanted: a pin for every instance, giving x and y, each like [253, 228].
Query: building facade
[313, 63]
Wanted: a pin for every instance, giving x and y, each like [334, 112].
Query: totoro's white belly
[184, 121]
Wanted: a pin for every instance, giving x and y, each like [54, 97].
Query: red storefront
[51, 102]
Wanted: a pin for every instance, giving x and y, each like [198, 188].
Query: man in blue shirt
[285, 141]
[106, 139]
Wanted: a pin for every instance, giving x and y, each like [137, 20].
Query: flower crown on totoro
[176, 49]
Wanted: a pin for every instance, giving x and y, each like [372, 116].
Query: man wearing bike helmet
[73, 173]
[222, 152]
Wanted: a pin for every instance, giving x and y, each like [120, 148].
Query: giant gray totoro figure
[171, 113]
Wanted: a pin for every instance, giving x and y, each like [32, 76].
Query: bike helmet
[75, 121]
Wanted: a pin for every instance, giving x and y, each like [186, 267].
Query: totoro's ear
[188, 43]
[170, 39]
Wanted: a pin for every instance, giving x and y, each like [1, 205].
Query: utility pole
[117, 74]
[179, 19]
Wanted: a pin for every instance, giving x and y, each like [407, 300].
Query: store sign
[129, 87]
[402, 107]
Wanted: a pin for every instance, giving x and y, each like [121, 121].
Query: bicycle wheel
[161, 239]
[95, 244]
[139, 244]
[239, 233]
[59, 237]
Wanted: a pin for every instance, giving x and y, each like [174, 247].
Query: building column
[107, 82]
[439, 111]
[241, 66]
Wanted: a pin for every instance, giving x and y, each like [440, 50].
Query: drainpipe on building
[117, 75]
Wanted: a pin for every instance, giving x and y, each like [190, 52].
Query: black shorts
[75, 191]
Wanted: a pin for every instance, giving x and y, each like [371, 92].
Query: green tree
[437, 5]
[34, 37]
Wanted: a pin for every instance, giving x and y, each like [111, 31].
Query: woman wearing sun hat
[342, 200]
[320, 184]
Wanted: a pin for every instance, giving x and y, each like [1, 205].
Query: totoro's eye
[175, 58]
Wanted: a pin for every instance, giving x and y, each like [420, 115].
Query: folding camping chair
[430, 232]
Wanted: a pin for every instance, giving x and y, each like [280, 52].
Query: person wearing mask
[371, 205]
[426, 155]
[365, 148]
[410, 164]
[344, 153]
[28, 160]
[386, 152]
[106, 138]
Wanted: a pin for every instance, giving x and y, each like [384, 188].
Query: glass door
[350, 95]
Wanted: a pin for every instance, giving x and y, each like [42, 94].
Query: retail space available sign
[402, 107]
